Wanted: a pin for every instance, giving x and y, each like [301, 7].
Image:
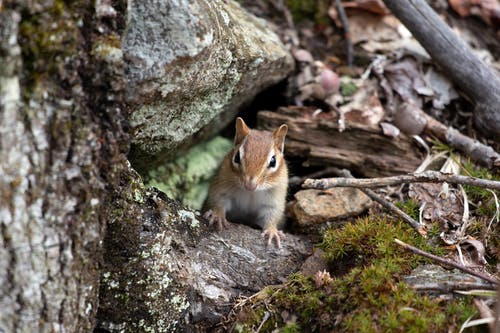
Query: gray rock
[191, 65]
[437, 280]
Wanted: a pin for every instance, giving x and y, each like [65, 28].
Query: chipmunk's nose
[250, 184]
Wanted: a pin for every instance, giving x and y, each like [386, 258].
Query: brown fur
[266, 204]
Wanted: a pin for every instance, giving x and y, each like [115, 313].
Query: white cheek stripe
[242, 153]
[269, 156]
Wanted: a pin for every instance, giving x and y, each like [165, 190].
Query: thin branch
[386, 204]
[446, 262]
[294, 181]
[347, 35]
[390, 206]
[423, 177]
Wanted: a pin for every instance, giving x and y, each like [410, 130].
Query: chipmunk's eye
[237, 159]
[272, 162]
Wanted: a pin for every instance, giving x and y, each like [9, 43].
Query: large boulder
[191, 66]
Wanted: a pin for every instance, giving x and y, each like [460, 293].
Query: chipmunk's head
[257, 157]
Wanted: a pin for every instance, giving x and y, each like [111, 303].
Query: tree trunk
[61, 150]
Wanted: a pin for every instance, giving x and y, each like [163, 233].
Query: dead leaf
[372, 6]
[302, 55]
[476, 248]
[487, 10]
[365, 107]
[365, 26]
[406, 79]
[389, 129]
[442, 88]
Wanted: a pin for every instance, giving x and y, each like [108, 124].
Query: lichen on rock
[187, 178]
[191, 72]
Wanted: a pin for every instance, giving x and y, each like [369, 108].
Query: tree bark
[61, 144]
[479, 82]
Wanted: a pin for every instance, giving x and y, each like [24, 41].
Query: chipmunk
[251, 184]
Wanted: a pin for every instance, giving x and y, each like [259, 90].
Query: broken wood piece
[476, 79]
[477, 151]
[423, 177]
[363, 149]
[446, 262]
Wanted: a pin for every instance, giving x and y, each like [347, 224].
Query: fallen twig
[446, 262]
[347, 35]
[476, 79]
[386, 204]
[476, 150]
[423, 177]
[485, 312]
[390, 206]
[294, 181]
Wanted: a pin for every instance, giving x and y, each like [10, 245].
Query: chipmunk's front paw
[216, 218]
[273, 233]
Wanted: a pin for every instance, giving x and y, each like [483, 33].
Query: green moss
[48, 39]
[347, 88]
[369, 297]
[410, 207]
[316, 10]
[188, 177]
[483, 199]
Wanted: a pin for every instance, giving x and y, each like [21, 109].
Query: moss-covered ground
[363, 290]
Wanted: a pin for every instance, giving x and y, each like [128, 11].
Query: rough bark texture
[191, 65]
[362, 149]
[166, 271]
[479, 82]
[65, 180]
[60, 142]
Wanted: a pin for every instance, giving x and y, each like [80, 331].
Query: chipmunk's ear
[279, 137]
[242, 131]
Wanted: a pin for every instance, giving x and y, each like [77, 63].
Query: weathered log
[362, 149]
[479, 82]
[166, 270]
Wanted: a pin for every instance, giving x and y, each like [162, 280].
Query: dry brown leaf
[488, 10]
[365, 107]
[477, 249]
[372, 6]
[442, 88]
[389, 129]
[406, 79]
[302, 55]
[369, 27]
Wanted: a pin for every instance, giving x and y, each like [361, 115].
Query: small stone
[316, 262]
[316, 206]
[437, 280]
